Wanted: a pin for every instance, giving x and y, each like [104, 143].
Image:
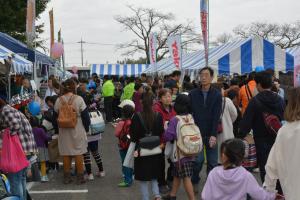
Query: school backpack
[124, 138]
[189, 140]
[67, 115]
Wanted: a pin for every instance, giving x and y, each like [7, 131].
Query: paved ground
[99, 189]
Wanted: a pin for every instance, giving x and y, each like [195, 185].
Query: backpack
[150, 144]
[67, 115]
[189, 140]
[124, 138]
[271, 121]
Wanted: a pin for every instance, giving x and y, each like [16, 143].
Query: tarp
[118, 69]
[20, 64]
[240, 56]
[22, 49]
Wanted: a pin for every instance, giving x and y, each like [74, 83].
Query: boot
[67, 178]
[169, 198]
[80, 179]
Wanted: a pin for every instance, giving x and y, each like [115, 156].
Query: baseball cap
[127, 102]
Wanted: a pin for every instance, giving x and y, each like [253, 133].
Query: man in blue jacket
[206, 105]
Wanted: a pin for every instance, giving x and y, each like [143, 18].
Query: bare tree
[222, 39]
[283, 35]
[145, 21]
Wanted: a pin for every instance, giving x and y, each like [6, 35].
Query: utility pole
[81, 49]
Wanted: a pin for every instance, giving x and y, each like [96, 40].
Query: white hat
[127, 102]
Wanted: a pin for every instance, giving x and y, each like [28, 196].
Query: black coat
[206, 114]
[146, 168]
[253, 118]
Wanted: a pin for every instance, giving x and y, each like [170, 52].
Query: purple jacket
[40, 137]
[171, 135]
[233, 184]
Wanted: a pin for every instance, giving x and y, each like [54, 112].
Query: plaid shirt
[18, 124]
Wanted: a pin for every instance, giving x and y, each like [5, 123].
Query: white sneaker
[44, 179]
[101, 174]
[91, 177]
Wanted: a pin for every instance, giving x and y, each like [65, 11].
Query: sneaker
[256, 170]
[100, 174]
[44, 179]
[164, 189]
[90, 177]
[196, 188]
[123, 184]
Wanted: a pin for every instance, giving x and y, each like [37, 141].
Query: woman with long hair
[147, 168]
[72, 142]
[283, 162]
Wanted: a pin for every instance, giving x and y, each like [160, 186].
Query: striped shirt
[18, 124]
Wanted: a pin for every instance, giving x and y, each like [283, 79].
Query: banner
[297, 69]
[204, 26]
[30, 23]
[174, 44]
[152, 49]
[51, 28]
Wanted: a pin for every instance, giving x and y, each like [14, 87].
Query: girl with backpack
[122, 132]
[231, 181]
[183, 164]
[73, 122]
[147, 126]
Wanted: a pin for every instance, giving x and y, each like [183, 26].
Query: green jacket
[108, 89]
[128, 92]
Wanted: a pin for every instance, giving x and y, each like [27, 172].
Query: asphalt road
[99, 189]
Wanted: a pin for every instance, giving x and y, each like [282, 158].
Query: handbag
[97, 123]
[150, 144]
[129, 158]
[220, 125]
[13, 158]
[171, 151]
[53, 151]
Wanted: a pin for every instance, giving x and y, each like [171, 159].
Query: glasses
[204, 75]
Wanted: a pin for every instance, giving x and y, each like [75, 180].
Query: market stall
[12, 64]
[241, 57]
[118, 69]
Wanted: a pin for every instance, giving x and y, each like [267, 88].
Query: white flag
[174, 44]
[152, 48]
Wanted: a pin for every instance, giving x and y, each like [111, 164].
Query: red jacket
[167, 115]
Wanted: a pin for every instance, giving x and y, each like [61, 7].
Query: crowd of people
[167, 129]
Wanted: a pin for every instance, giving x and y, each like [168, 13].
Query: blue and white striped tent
[20, 64]
[293, 51]
[118, 69]
[241, 56]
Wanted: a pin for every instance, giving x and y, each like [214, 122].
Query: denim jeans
[18, 183]
[145, 191]
[127, 172]
[212, 161]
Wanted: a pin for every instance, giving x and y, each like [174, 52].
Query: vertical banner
[30, 23]
[51, 28]
[174, 44]
[204, 26]
[297, 69]
[152, 50]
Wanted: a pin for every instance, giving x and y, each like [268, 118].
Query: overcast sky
[93, 20]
